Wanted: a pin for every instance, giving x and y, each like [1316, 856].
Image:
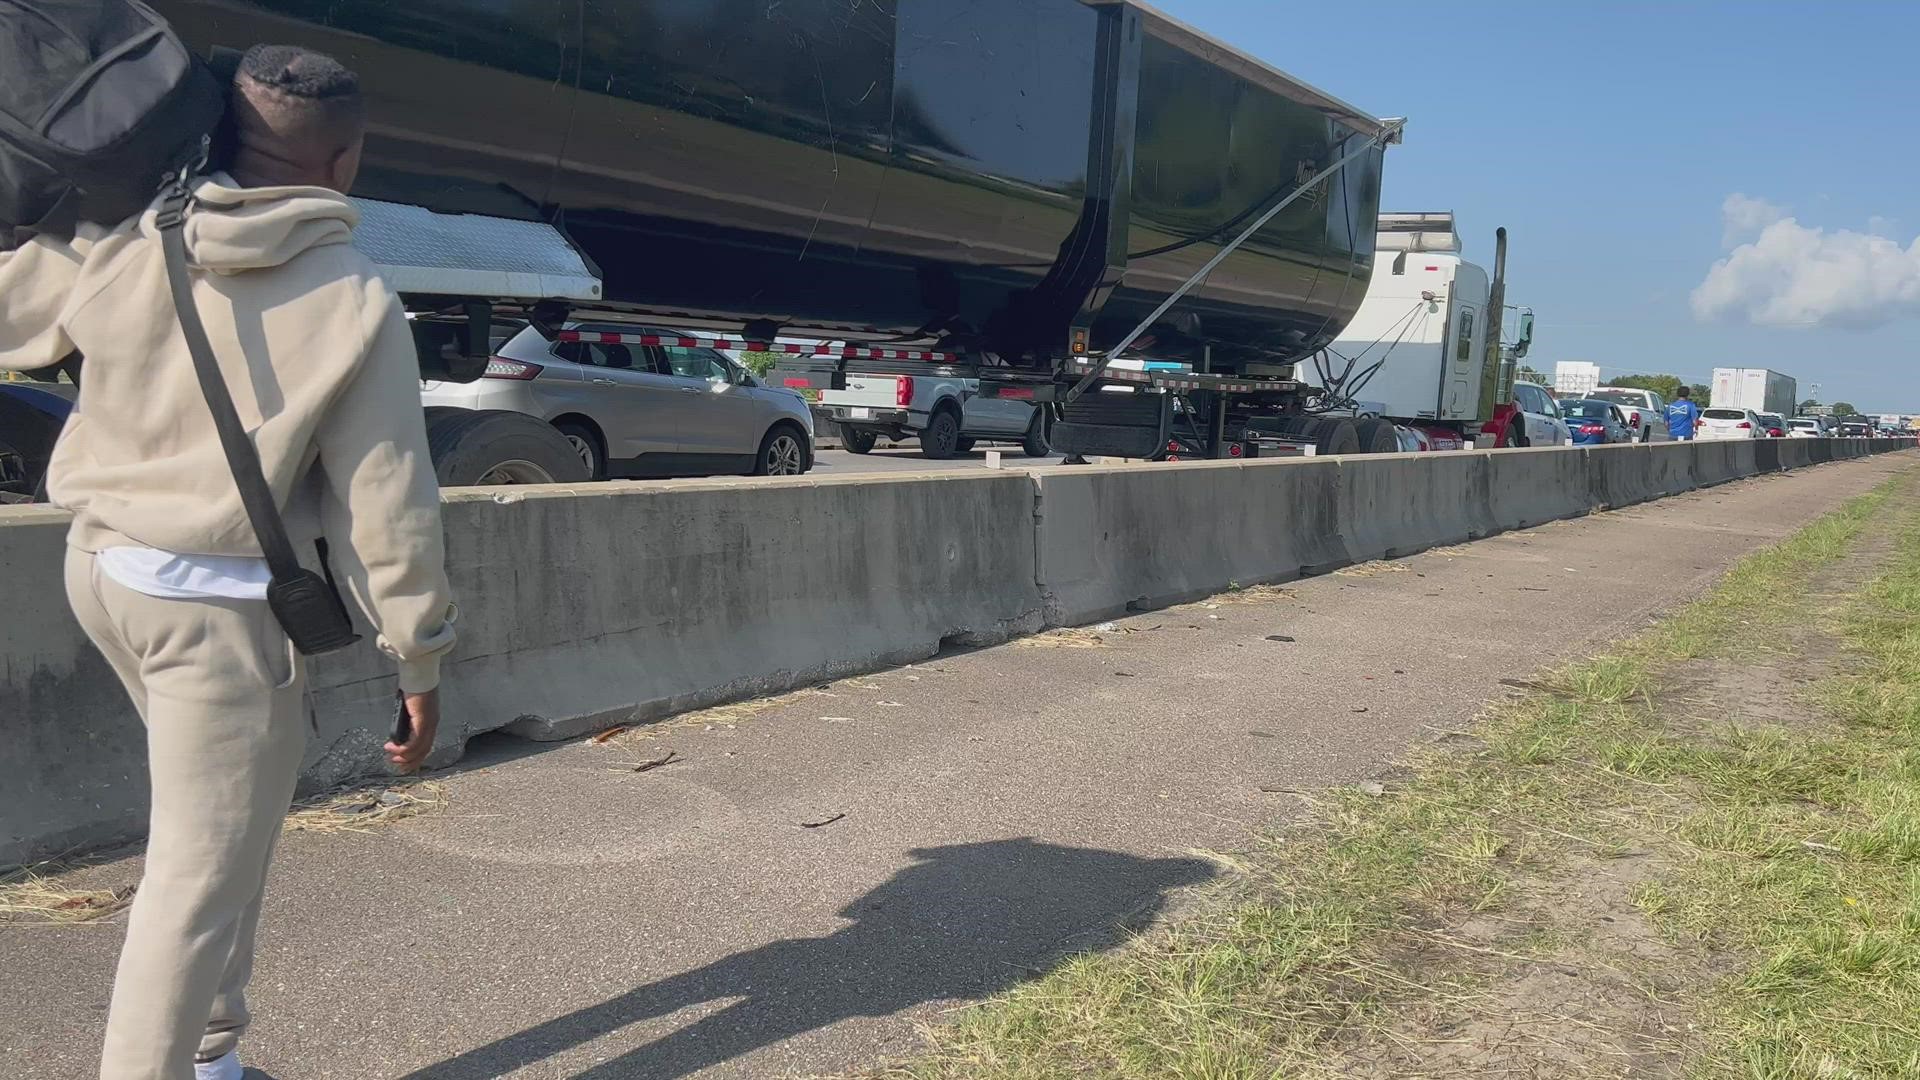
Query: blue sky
[1608, 138]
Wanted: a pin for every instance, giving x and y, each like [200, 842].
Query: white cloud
[1745, 215]
[1789, 274]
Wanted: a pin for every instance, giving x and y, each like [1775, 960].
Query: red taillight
[1592, 429]
[798, 383]
[1744, 426]
[903, 391]
[518, 370]
[1016, 393]
[1236, 450]
[1635, 422]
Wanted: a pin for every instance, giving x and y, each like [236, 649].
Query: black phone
[402, 723]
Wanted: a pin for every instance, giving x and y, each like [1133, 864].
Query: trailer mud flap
[1107, 424]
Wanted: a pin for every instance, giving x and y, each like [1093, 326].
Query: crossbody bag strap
[242, 457]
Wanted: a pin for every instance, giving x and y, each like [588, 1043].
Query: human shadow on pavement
[963, 921]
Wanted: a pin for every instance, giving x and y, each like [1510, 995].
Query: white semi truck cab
[1417, 353]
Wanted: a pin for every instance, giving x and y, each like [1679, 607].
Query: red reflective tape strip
[849, 352]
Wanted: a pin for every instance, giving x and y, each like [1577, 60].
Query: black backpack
[99, 102]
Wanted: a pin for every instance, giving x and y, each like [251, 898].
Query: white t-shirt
[186, 577]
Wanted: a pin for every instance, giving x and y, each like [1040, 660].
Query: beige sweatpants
[220, 692]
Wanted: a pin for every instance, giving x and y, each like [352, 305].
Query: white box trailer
[1758, 389]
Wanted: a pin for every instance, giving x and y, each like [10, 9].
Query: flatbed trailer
[1026, 192]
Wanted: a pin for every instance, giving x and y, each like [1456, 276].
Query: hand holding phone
[416, 718]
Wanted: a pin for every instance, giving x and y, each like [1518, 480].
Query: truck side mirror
[1526, 334]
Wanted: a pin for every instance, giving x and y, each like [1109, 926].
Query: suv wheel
[782, 453]
[941, 440]
[1037, 442]
[587, 445]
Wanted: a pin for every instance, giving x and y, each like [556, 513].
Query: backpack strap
[242, 457]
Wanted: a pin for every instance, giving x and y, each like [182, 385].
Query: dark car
[31, 415]
[1593, 422]
[1775, 424]
[1854, 427]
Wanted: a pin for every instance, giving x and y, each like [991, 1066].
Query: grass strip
[1781, 866]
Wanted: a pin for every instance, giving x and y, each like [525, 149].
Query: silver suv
[634, 411]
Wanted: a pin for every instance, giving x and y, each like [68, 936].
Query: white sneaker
[220, 1068]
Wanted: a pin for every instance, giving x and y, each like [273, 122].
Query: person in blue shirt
[1683, 416]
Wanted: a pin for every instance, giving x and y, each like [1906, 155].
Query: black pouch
[311, 613]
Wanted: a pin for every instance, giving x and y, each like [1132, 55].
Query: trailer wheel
[487, 447]
[1376, 436]
[857, 440]
[1038, 441]
[1335, 435]
[941, 440]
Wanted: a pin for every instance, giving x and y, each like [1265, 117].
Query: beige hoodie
[321, 365]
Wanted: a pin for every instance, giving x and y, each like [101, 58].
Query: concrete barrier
[73, 756]
[620, 603]
[1118, 537]
[1713, 462]
[1796, 453]
[580, 609]
[1672, 467]
[1766, 455]
[1622, 475]
[1394, 505]
[1533, 486]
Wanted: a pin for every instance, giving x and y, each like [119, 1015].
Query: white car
[1646, 411]
[1806, 427]
[634, 410]
[1545, 425]
[1730, 424]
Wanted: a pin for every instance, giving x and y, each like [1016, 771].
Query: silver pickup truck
[948, 416]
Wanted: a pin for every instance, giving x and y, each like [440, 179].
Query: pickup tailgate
[865, 391]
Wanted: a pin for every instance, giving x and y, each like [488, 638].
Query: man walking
[1683, 416]
[163, 569]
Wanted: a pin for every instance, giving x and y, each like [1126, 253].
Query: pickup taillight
[903, 391]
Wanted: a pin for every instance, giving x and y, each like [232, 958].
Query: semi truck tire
[1376, 436]
[857, 440]
[941, 440]
[1335, 435]
[487, 447]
